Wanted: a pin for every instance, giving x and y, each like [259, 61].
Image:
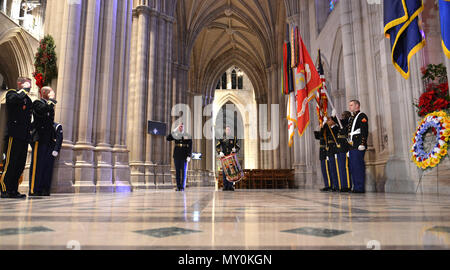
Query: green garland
[45, 62]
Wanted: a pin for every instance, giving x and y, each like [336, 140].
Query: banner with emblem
[321, 96]
[444, 11]
[401, 20]
[307, 82]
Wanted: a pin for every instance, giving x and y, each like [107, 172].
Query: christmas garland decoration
[45, 62]
[439, 122]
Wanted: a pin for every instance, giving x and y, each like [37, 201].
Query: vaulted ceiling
[216, 34]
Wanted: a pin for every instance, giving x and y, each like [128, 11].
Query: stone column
[152, 78]
[84, 149]
[103, 149]
[137, 94]
[68, 52]
[120, 155]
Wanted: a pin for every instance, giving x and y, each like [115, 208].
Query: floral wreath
[439, 122]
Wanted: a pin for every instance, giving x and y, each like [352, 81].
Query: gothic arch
[16, 54]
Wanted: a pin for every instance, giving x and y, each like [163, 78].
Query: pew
[263, 179]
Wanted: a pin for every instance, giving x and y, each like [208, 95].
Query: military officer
[182, 154]
[333, 148]
[321, 135]
[342, 154]
[226, 147]
[19, 110]
[358, 132]
[42, 143]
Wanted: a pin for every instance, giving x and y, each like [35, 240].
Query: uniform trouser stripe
[328, 173]
[5, 170]
[347, 171]
[338, 172]
[33, 178]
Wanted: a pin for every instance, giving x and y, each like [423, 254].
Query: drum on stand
[232, 168]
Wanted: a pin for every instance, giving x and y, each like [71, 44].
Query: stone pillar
[84, 149]
[120, 154]
[68, 52]
[137, 94]
[151, 101]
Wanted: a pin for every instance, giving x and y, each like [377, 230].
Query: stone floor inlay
[20, 231]
[319, 232]
[167, 232]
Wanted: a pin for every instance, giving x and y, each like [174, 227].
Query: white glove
[234, 150]
[3, 157]
[26, 85]
[334, 113]
[188, 159]
[222, 154]
[361, 148]
[325, 119]
[55, 154]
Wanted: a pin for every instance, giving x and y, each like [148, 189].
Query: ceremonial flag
[291, 113]
[307, 82]
[321, 96]
[444, 10]
[401, 20]
[288, 80]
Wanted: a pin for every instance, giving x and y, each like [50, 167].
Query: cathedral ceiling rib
[216, 33]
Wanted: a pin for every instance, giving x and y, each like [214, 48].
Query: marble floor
[204, 219]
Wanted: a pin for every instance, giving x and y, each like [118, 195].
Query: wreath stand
[437, 178]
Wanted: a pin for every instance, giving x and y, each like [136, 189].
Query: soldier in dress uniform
[181, 155]
[321, 135]
[358, 132]
[341, 159]
[333, 148]
[226, 147]
[342, 155]
[42, 143]
[19, 109]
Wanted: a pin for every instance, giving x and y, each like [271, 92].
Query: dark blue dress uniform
[19, 110]
[332, 147]
[358, 132]
[43, 144]
[342, 160]
[323, 157]
[226, 146]
[183, 150]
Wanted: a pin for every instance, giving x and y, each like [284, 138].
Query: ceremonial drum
[232, 168]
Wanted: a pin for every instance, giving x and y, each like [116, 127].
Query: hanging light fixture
[30, 5]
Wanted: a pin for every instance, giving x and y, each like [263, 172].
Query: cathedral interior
[123, 63]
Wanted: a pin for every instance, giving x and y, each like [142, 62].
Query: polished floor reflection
[202, 218]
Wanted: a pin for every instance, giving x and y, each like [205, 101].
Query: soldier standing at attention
[358, 129]
[321, 135]
[182, 154]
[43, 137]
[19, 109]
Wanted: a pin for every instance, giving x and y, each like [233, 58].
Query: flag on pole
[288, 83]
[444, 10]
[307, 82]
[291, 113]
[321, 96]
[401, 20]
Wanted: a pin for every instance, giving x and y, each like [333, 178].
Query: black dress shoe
[327, 189]
[345, 190]
[35, 194]
[358, 192]
[15, 195]
[45, 193]
[334, 190]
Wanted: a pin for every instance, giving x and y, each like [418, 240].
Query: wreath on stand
[434, 106]
[45, 62]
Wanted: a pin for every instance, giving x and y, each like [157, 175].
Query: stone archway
[245, 104]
